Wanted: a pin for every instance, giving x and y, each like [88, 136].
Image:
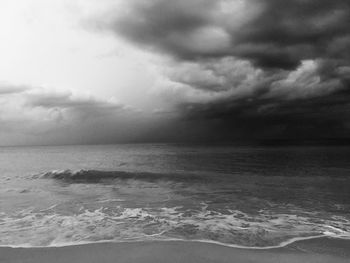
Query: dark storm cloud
[270, 33]
[308, 118]
[280, 68]
[297, 30]
[166, 25]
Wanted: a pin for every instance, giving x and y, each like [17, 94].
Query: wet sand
[319, 250]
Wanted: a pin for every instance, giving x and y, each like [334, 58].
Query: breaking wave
[95, 176]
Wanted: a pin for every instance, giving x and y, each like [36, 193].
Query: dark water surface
[245, 196]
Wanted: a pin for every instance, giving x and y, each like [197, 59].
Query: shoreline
[205, 241]
[323, 249]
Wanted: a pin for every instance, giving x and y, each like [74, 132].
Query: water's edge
[281, 245]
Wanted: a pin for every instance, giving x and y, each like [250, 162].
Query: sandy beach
[316, 250]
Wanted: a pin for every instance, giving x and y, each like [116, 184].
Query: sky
[114, 71]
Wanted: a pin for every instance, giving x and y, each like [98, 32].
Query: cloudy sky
[109, 71]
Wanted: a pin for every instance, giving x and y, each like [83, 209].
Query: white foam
[46, 229]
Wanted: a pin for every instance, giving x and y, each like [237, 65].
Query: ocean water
[238, 196]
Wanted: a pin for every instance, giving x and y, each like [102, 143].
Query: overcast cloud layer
[250, 68]
[109, 71]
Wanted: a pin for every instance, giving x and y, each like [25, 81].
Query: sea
[240, 196]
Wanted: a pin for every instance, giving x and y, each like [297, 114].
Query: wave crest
[95, 176]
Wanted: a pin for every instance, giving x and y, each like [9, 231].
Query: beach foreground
[316, 250]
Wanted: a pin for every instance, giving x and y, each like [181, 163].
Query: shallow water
[244, 196]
